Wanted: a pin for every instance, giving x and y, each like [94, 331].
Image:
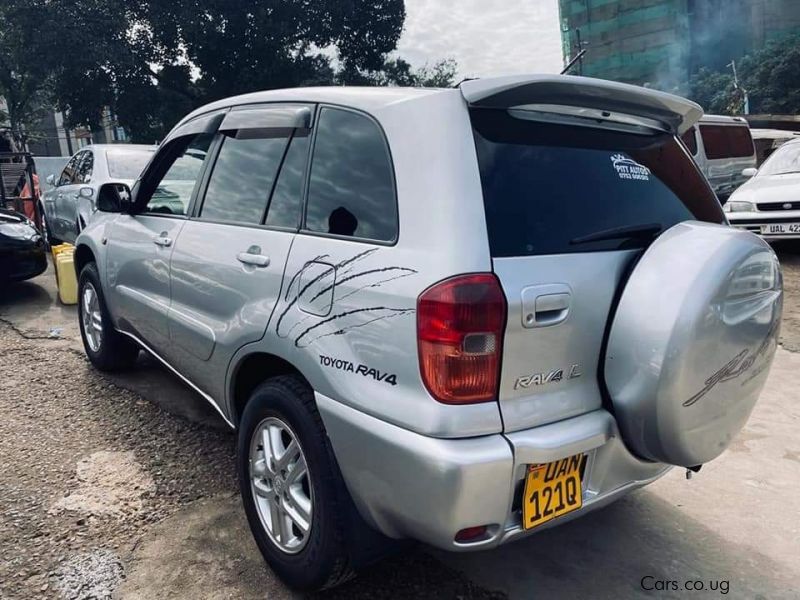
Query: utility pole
[575, 59]
[739, 88]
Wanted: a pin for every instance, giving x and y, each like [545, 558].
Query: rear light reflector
[471, 534]
[460, 323]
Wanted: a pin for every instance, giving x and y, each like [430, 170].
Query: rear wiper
[643, 231]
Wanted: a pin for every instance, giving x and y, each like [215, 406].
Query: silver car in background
[769, 203]
[723, 148]
[458, 316]
[70, 200]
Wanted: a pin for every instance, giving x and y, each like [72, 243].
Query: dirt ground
[124, 486]
[789, 253]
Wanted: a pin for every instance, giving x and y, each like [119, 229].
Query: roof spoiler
[673, 113]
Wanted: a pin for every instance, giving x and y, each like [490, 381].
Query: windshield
[551, 189]
[785, 159]
[127, 163]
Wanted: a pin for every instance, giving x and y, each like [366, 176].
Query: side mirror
[51, 179]
[114, 198]
[749, 172]
[86, 192]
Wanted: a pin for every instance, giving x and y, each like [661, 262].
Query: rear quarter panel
[363, 353]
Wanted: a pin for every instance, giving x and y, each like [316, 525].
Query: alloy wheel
[92, 317]
[280, 485]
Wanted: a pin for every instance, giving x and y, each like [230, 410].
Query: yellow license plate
[551, 490]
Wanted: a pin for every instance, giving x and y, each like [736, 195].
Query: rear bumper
[408, 485]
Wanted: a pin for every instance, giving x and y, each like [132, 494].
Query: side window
[172, 193]
[85, 168]
[727, 141]
[69, 172]
[351, 188]
[287, 198]
[243, 176]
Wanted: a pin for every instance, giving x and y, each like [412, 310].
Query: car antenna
[465, 79]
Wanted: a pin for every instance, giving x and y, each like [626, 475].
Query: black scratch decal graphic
[299, 324]
[342, 321]
[318, 278]
[374, 284]
[392, 312]
[356, 276]
[296, 277]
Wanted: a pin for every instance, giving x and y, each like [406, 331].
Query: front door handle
[253, 257]
[162, 240]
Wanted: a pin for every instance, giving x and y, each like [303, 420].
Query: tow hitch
[692, 470]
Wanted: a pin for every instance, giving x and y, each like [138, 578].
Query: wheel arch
[250, 371]
[83, 256]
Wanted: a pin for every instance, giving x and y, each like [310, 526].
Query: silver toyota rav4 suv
[457, 316]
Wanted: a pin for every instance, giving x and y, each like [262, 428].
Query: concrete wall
[635, 41]
[773, 18]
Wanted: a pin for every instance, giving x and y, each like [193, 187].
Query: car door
[140, 244]
[228, 263]
[65, 196]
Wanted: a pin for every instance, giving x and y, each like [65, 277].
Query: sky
[486, 37]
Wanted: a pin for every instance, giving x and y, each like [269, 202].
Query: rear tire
[48, 233]
[320, 558]
[107, 349]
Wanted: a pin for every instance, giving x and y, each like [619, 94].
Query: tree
[24, 74]
[153, 61]
[441, 74]
[398, 72]
[713, 91]
[770, 75]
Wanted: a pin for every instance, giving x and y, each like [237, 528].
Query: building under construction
[662, 42]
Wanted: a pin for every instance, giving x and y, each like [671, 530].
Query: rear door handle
[162, 241]
[545, 305]
[254, 259]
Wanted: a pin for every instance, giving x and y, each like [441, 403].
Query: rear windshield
[545, 187]
[127, 163]
[727, 141]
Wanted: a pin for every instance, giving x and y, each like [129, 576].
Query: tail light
[460, 324]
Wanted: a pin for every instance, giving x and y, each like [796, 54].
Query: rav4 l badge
[527, 381]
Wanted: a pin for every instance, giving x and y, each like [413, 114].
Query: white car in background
[769, 204]
[71, 198]
[769, 140]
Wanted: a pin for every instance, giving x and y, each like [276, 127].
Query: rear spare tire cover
[692, 340]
